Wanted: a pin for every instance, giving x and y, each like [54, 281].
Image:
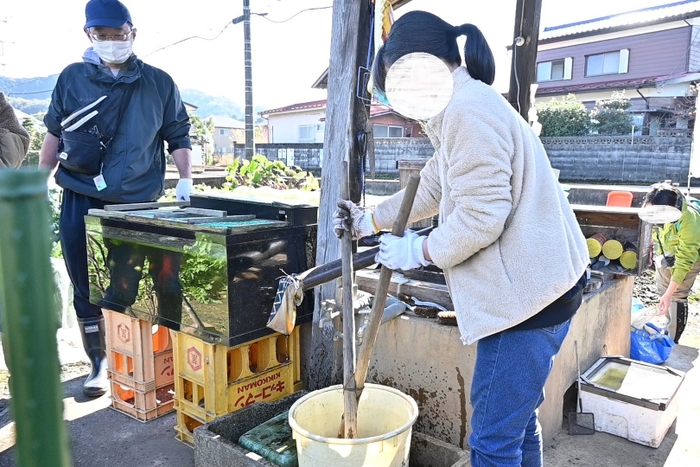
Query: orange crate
[212, 380]
[140, 366]
[143, 406]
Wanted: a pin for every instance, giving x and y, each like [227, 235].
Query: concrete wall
[308, 156]
[620, 159]
[641, 160]
[427, 361]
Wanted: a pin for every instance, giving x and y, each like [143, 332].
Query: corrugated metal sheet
[636, 18]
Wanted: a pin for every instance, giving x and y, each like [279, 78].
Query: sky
[289, 53]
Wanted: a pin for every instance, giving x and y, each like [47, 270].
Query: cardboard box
[631, 399]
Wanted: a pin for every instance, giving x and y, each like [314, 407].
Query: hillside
[32, 95]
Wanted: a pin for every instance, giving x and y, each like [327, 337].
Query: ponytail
[477, 54]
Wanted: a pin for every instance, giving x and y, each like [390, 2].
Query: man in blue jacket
[109, 119]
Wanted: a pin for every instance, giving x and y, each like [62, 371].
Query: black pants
[124, 260]
[74, 208]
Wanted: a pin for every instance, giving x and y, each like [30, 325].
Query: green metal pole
[29, 320]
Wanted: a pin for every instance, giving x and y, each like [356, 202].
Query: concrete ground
[102, 437]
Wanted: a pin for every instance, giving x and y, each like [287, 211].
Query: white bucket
[385, 417]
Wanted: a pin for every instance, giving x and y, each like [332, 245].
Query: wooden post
[346, 115]
[524, 59]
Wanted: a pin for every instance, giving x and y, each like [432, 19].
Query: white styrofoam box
[631, 399]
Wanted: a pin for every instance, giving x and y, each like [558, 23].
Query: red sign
[194, 358]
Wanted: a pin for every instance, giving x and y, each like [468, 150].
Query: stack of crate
[212, 380]
[140, 366]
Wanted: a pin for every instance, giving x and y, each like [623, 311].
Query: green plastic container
[273, 441]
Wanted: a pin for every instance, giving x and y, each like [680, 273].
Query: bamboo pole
[30, 321]
[349, 391]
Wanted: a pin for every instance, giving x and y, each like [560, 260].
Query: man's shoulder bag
[87, 132]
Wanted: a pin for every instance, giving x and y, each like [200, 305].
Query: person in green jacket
[676, 251]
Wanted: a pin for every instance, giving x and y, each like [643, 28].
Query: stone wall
[639, 160]
[620, 159]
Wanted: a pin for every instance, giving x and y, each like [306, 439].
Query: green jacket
[681, 239]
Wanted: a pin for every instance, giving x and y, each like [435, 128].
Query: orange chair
[621, 199]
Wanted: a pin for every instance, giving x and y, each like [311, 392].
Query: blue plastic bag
[651, 348]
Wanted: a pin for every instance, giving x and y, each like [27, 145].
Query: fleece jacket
[507, 239]
[14, 139]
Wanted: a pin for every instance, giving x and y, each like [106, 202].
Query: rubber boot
[679, 318]
[93, 332]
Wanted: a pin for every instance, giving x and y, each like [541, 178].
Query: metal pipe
[29, 320]
[327, 272]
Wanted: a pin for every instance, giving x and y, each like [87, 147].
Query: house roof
[376, 110]
[224, 121]
[322, 81]
[297, 107]
[654, 81]
[671, 11]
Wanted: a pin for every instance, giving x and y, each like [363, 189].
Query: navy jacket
[134, 166]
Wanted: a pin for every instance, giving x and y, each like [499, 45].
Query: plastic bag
[650, 345]
[642, 316]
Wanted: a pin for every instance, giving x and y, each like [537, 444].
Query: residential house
[306, 123]
[652, 54]
[227, 132]
[296, 123]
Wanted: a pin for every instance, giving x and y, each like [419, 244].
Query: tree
[565, 117]
[611, 116]
[204, 134]
[36, 135]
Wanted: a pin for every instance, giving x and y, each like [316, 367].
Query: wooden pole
[346, 115]
[349, 394]
[524, 57]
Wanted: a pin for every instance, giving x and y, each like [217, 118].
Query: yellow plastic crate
[140, 366]
[212, 380]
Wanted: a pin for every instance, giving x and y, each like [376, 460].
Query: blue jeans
[507, 388]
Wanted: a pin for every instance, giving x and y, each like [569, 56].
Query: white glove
[359, 222]
[183, 189]
[402, 253]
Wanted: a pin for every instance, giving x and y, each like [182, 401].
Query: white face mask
[113, 51]
[659, 214]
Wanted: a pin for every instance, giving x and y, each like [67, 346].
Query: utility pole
[249, 126]
[525, 35]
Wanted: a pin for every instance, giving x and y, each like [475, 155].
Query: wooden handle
[375, 319]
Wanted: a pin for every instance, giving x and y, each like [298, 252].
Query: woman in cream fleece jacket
[512, 252]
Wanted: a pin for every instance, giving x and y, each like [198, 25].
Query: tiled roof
[223, 121]
[297, 107]
[652, 15]
[375, 110]
[653, 81]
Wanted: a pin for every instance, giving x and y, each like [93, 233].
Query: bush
[260, 172]
[565, 117]
[610, 116]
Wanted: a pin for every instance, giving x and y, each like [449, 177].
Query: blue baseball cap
[106, 14]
